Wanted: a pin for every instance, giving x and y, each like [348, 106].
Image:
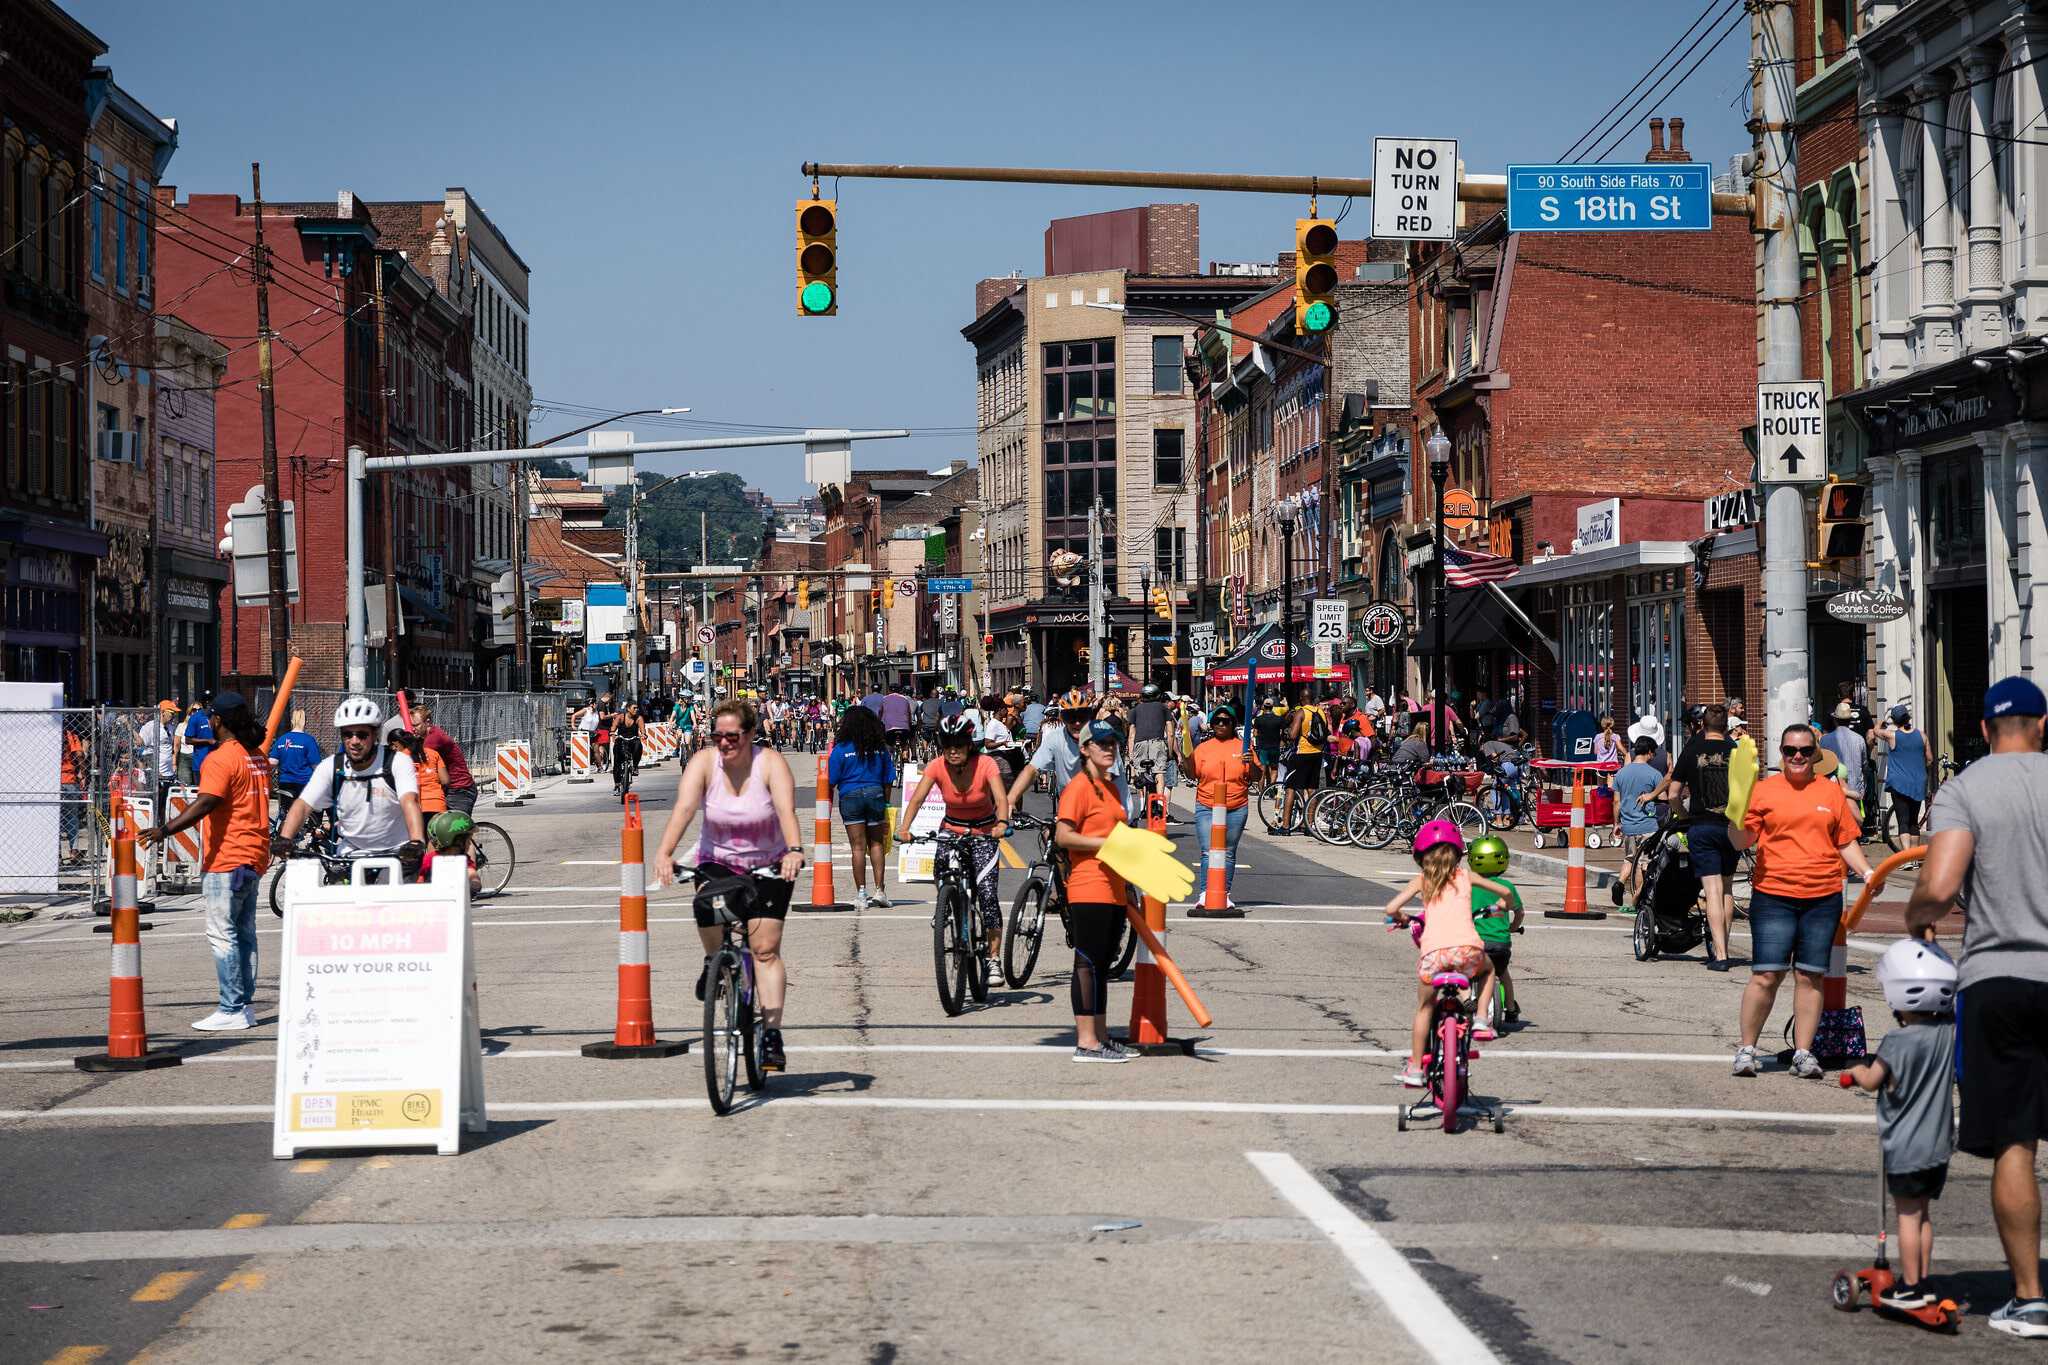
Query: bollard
[1216, 894]
[579, 757]
[633, 1035]
[1147, 1031]
[823, 896]
[1575, 859]
[127, 1036]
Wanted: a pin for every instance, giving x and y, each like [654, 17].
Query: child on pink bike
[1449, 942]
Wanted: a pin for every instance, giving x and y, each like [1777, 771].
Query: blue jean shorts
[1792, 931]
[863, 805]
[1712, 853]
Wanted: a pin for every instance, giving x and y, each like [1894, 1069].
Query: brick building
[328, 260]
[48, 545]
[190, 578]
[127, 151]
[855, 533]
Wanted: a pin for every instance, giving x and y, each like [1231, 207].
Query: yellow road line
[77, 1355]
[241, 1282]
[247, 1220]
[165, 1287]
[379, 1163]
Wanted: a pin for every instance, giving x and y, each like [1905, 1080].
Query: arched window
[1391, 575]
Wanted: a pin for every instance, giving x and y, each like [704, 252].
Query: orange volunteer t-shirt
[1799, 834]
[1094, 812]
[1222, 774]
[432, 772]
[237, 831]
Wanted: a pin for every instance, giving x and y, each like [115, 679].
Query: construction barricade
[579, 757]
[633, 1034]
[178, 859]
[514, 763]
[127, 1034]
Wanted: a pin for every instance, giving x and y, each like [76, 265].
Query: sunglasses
[728, 736]
[1797, 750]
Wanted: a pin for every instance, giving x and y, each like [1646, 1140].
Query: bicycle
[1447, 1068]
[734, 1031]
[491, 855]
[625, 766]
[959, 941]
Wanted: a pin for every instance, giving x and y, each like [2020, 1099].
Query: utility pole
[1785, 662]
[1097, 626]
[522, 658]
[273, 508]
[389, 549]
[710, 653]
[1145, 596]
[1287, 693]
[631, 649]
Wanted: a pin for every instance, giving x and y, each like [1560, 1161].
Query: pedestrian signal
[817, 257]
[1839, 528]
[1315, 275]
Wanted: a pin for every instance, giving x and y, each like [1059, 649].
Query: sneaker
[1228, 903]
[1717, 964]
[995, 973]
[1099, 1054]
[1806, 1066]
[703, 975]
[1112, 1045]
[1513, 1014]
[878, 901]
[2022, 1318]
[1413, 1077]
[225, 1021]
[1484, 1034]
[1746, 1063]
[1902, 1296]
[773, 1058]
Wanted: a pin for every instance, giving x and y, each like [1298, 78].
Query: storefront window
[1952, 491]
[1656, 646]
[1588, 644]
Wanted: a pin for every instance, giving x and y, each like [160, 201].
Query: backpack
[340, 763]
[1317, 730]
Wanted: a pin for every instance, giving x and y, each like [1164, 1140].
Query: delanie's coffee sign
[1867, 606]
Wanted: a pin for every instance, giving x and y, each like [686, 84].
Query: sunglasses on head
[1797, 750]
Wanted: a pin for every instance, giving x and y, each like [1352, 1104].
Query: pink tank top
[1448, 918]
[741, 829]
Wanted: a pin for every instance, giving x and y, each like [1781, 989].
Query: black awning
[1480, 619]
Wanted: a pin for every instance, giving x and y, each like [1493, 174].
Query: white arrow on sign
[705, 635]
[1791, 431]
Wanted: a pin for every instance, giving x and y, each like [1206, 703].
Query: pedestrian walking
[1224, 774]
[198, 736]
[461, 784]
[1804, 831]
[234, 801]
[293, 757]
[1308, 730]
[863, 774]
[1905, 769]
[1091, 807]
[1636, 817]
[1846, 744]
[1986, 829]
[1148, 732]
[1702, 774]
[1267, 727]
[1608, 747]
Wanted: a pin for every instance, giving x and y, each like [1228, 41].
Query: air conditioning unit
[121, 447]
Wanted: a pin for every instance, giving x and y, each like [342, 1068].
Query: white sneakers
[869, 900]
[220, 1021]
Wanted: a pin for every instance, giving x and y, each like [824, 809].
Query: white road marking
[590, 862]
[1441, 1334]
[989, 1105]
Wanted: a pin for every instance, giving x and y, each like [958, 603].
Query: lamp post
[1439, 448]
[1286, 609]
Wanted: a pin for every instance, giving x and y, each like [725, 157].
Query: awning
[1480, 619]
[1264, 652]
[419, 609]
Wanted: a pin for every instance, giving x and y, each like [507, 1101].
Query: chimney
[1656, 140]
[1678, 152]
[988, 291]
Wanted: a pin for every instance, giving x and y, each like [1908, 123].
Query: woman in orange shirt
[1224, 773]
[429, 767]
[1091, 807]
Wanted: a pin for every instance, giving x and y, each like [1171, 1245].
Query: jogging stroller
[1668, 914]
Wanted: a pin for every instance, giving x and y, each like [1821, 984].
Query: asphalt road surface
[918, 1188]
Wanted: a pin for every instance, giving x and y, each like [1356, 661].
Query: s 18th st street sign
[1675, 196]
[1791, 431]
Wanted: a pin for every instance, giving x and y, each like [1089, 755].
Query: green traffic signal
[1317, 317]
[816, 297]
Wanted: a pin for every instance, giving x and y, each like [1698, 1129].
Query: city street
[908, 1166]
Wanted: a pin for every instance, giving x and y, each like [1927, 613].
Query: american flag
[1471, 568]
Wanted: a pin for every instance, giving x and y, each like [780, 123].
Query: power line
[1599, 128]
[1672, 89]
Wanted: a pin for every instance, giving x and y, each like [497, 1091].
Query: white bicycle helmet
[1917, 976]
[358, 711]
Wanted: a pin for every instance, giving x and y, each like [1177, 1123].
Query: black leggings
[1094, 928]
[1909, 813]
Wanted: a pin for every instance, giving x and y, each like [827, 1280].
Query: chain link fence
[60, 771]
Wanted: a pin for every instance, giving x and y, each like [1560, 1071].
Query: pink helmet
[1438, 832]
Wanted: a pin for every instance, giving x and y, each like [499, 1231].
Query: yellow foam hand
[1148, 862]
[1742, 771]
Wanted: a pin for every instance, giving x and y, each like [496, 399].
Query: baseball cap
[1101, 732]
[1844, 711]
[2014, 697]
[227, 701]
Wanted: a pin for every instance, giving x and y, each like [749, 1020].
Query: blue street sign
[1675, 196]
[949, 585]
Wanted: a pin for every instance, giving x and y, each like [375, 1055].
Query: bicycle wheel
[1470, 820]
[949, 955]
[1374, 822]
[1450, 1045]
[277, 889]
[1316, 816]
[490, 847]
[722, 1034]
[751, 1041]
[975, 937]
[1128, 944]
[1024, 932]
[1270, 797]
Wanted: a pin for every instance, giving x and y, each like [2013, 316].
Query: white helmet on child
[1917, 976]
[358, 711]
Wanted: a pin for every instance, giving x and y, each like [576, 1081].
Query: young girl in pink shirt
[1448, 941]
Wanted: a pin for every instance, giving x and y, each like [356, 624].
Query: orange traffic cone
[633, 1036]
[127, 1035]
[1216, 893]
[1147, 1032]
[823, 896]
[1575, 860]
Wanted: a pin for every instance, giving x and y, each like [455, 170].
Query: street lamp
[1438, 447]
[1286, 608]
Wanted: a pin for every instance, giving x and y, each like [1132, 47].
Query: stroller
[1668, 914]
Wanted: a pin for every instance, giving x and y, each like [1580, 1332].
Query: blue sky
[643, 157]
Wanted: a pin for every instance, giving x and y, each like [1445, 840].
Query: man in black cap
[1988, 830]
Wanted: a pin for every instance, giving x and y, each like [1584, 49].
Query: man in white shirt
[156, 745]
[374, 791]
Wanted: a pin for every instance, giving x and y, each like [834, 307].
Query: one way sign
[1791, 431]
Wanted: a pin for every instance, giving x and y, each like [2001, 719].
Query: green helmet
[449, 828]
[1489, 856]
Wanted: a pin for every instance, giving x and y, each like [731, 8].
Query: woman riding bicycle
[626, 739]
[1449, 942]
[749, 803]
[978, 809]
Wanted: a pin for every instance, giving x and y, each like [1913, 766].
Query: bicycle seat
[1455, 980]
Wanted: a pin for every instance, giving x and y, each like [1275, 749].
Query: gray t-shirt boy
[1916, 1123]
[1999, 799]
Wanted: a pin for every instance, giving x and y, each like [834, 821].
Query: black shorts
[898, 736]
[462, 799]
[1304, 771]
[771, 899]
[1927, 1184]
[2002, 1031]
[1713, 855]
[1499, 954]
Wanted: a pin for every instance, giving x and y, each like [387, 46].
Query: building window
[63, 427]
[167, 504]
[120, 211]
[1168, 466]
[1166, 354]
[1170, 554]
[14, 418]
[1080, 381]
[99, 224]
[143, 210]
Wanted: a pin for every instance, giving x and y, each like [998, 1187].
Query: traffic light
[1172, 655]
[803, 594]
[1315, 275]
[817, 257]
[1839, 529]
[1162, 604]
[888, 594]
